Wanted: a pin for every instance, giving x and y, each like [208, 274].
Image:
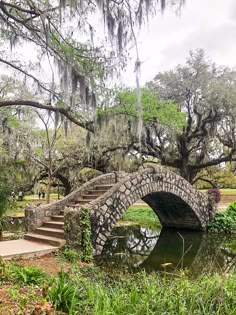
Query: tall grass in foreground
[95, 292]
[142, 294]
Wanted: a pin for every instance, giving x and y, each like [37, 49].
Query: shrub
[216, 194]
[88, 173]
[5, 202]
[224, 221]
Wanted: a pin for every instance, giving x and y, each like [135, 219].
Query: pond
[14, 228]
[137, 247]
[153, 249]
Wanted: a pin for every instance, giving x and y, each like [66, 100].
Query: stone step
[96, 192]
[82, 202]
[58, 233]
[44, 239]
[58, 218]
[54, 224]
[89, 197]
[103, 187]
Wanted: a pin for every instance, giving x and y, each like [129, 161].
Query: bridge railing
[36, 215]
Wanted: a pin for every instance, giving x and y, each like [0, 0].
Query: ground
[13, 297]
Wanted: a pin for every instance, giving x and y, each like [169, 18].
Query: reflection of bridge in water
[142, 248]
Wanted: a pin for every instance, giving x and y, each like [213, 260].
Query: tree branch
[67, 113]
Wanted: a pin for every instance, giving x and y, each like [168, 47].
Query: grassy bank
[18, 210]
[89, 290]
[142, 215]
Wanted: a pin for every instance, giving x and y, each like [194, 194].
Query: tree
[46, 154]
[207, 95]
[52, 29]
[5, 198]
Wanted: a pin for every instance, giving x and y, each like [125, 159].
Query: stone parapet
[36, 215]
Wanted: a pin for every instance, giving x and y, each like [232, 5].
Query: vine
[85, 239]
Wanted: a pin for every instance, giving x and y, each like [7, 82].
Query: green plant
[87, 174]
[224, 221]
[85, 240]
[71, 255]
[5, 201]
[5, 270]
[64, 294]
[28, 274]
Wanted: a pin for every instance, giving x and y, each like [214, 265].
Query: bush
[87, 174]
[224, 221]
[5, 202]
[216, 194]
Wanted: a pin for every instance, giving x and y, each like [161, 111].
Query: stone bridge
[172, 198]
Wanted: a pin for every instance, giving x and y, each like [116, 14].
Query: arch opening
[172, 211]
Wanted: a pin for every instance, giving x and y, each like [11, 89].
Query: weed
[28, 274]
[71, 255]
[64, 294]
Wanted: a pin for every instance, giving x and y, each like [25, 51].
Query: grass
[224, 191]
[18, 210]
[142, 215]
[95, 291]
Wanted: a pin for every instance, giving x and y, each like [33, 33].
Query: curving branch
[65, 112]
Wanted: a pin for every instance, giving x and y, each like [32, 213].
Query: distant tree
[207, 95]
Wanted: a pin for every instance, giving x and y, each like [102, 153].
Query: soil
[27, 300]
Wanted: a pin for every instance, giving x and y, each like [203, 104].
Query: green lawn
[18, 210]
[224, 191]
[142, 215]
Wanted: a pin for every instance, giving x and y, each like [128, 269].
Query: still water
[136, 247]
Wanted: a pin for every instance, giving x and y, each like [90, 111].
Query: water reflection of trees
[135, 246]
[128, 245]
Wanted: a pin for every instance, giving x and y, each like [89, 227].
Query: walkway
[24, 249]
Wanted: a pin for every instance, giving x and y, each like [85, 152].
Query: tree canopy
[61, 36]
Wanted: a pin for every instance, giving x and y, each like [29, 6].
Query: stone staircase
[52, 231]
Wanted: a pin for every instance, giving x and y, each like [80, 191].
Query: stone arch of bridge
[173, 199]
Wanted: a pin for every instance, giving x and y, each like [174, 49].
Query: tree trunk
[188, 173]
[49, 188]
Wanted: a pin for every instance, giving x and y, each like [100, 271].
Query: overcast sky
[207, 24]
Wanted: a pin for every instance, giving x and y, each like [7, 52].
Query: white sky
[166, 41]
[207, 24]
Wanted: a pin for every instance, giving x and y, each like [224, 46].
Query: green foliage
[87, 174]
[154, 109]
[71, 255]
[5, 193]
[5, 201]
[139, 293]
[5, 270]
[85, 242]
[28, 274]
[142, 215]
[64, 294]
[224, 221]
